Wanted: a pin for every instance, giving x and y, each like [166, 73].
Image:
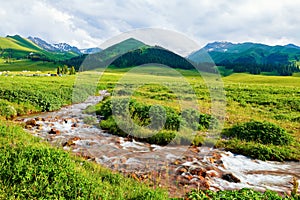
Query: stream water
[179, 168]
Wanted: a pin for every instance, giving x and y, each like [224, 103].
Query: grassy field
[27, 65]
[24, 95]
[31, 169]
[272, 99]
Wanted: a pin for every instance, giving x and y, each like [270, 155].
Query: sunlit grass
[31, 169]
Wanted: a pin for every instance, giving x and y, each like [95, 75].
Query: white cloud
[88, 23]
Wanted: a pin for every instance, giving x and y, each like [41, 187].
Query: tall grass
[31, 169]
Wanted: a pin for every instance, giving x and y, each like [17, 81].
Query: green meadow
[32, 169]
[252, 103]
[270, 98]
[27, 65]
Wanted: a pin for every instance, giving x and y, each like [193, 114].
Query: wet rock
[76, 138]
[19, 120]
[211, 167]
[194, 149]
[123, 160]
[201, 178]
[134, 176]
[189, 159]
[181, 170]
[57, 118]
[39, 126]
[213, 173]
[75, 125]
[199, 171]
[205, 184]
[187, 176]
[177, 162]
[71, 141]
[181, 180]
[201, 184]
[54, 131]
[73, 120]
[217, 156]
[28, 126]
[31, 122]
[195, 180]
[38, 119]
[87, 157]
[92, 159]
[231, 178]
[211, 160]
[196, 162]
[91, 143]
[118, 141]
[144, 177]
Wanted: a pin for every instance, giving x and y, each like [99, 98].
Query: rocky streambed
[179, 168]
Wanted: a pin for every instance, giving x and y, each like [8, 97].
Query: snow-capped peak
[60, 47]
[218, 46]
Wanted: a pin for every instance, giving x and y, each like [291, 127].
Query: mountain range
[240, 57]
[61, 47]
[223, 53]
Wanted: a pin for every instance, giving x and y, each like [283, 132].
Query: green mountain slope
[24, 42]
[11, 43]
[128, 53]
[106, 56]
[17, 47]
[226, 52]
[149, 55]
[251, 57]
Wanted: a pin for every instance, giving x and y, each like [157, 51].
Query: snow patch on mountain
[60, 47]
[218, 46]
[90, 50]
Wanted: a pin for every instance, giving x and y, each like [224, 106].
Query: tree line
[282, 69]
[65, 70]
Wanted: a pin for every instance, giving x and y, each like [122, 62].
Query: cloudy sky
[88, 23]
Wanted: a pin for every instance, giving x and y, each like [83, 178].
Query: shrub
[112, 127]
[157, 117]
[92, 120]
[140, 112]
[206, 121]
[260, 151]
[7, 110]
[163, 137]
[262, 132]
[172, 119]
[198, 140]
[45, 101]
[190, 118]
[234, 194]
[105, 108]
[143, 119]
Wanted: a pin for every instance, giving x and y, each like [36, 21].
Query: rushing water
[172, 166]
